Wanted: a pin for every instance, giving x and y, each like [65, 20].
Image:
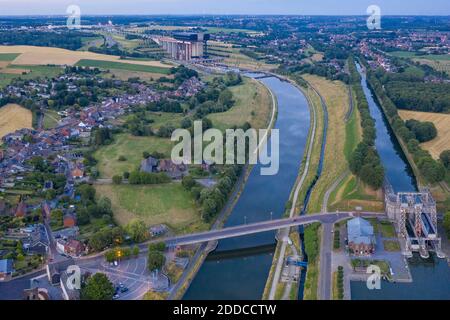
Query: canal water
[232, 272]
[431, 277]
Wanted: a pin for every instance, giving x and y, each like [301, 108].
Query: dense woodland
[409, 91]
[71, 40]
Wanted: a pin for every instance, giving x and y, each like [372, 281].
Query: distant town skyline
[246, 7]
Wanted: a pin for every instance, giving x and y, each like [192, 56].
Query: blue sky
[307, 7]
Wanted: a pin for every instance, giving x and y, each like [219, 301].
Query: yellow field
[442, 123]
[13, 117]
[30, 55]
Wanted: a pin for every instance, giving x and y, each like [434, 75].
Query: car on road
[116, 296]
[124, 289]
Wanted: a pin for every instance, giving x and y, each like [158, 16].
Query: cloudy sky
[307, 7]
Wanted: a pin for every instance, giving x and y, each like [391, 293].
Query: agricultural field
[234, 58]
[253, 105]
[439, 65]
[27, 72]
[438, 62]
[124, 75]
[336, 97]
[131, 148]
[30, 55]
[14, 117]
[123, 65]
[442, 123]
[168, 203]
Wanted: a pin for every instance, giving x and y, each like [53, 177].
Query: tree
[117, 179]
[445, 158]
[447, 223]
[188, 182]
[137, 230]
[160, 247]
[135, 251]
[156, 260]
[97, 287]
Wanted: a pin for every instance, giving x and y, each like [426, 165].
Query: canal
[431, 277]
[232, 272]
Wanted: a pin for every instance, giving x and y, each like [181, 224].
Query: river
[431, 277]
[232, 272]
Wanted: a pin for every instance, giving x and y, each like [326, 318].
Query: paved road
[325, 279]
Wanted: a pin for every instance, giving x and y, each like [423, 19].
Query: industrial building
[414, 214]
[185, 46]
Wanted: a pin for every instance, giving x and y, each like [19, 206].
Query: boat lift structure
[415, 217]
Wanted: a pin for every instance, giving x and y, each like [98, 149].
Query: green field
[408, 54]
[131, 148]
[51, 119]
[32, 72]
[391, 245]
[387, 229]
[253, 104]
[167, 203]
[8, 56]
[122, 66]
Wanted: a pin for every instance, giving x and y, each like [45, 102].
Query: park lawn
[131, 147]
[336, 97]
[253, 104]
[103, 64]
[167, 203]
[391, 245]
[14, 117]
[387, 229]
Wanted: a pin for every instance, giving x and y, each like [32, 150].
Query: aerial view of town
[270, 150]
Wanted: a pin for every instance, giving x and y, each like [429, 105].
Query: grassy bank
[253, 104]
[335, 95]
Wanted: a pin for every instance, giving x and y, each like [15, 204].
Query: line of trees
[212, 200]
[137, 177]
[365, 161]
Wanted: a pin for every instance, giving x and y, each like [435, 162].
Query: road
[264, 226]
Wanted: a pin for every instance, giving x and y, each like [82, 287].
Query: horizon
[231, 7]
